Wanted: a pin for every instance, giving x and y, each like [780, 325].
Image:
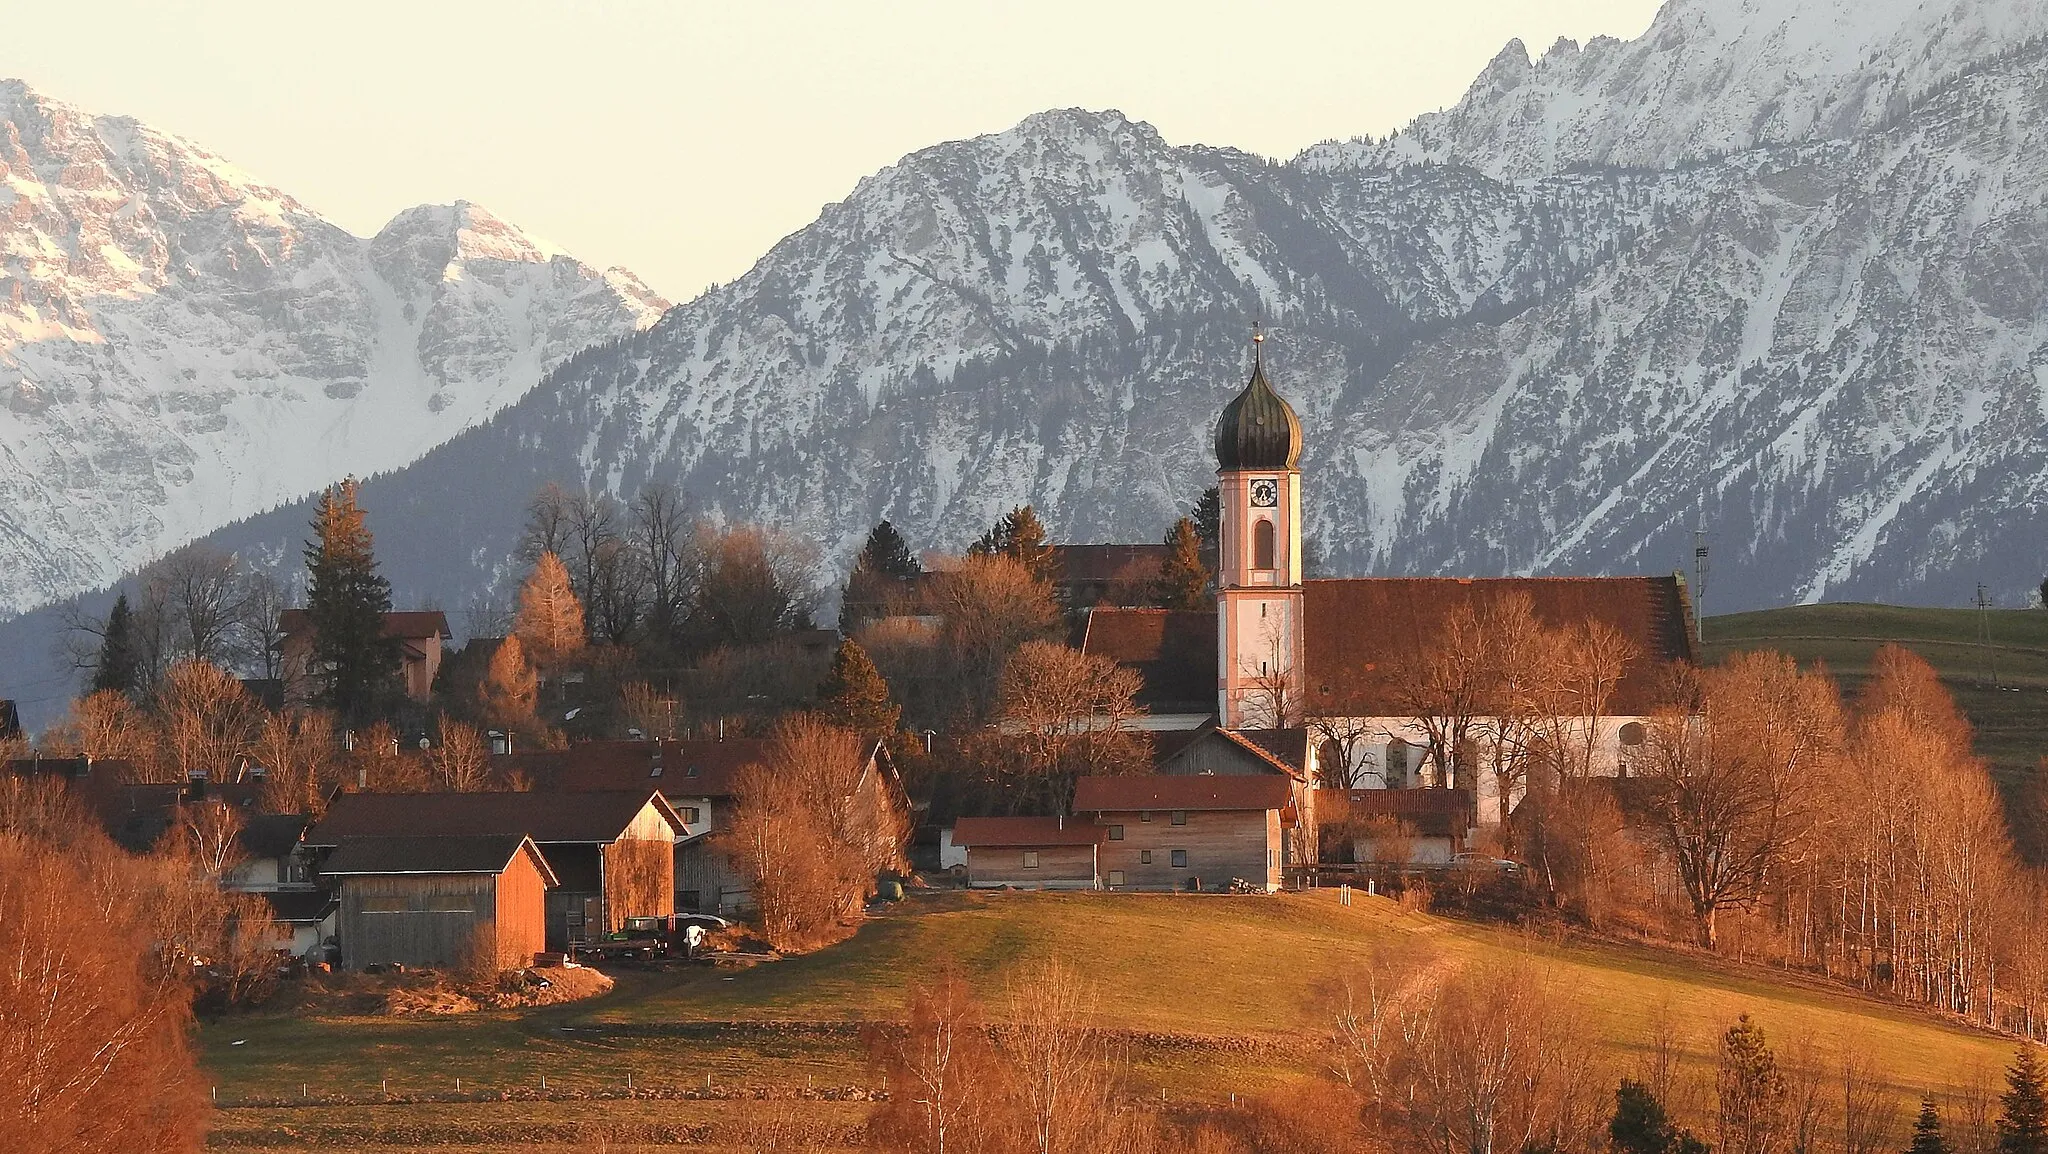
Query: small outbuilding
[1034, 853]
[1168, 832]
[440, 901]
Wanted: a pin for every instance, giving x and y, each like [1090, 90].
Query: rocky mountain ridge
[182, 345]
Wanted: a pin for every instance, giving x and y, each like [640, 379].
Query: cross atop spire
[1258, 338]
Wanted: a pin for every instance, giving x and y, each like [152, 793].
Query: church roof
[1353, 628]
[1173, 650]
[1258, 430]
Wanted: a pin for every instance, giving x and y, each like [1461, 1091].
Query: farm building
[440, 901]
[1166, 832]
[696, 776]
[612, 851]
[1037, 853]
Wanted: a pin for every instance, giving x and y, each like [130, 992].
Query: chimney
[195, 784]
[1062, 821]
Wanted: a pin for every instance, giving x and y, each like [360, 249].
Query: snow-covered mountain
[1709, 77]
[1771, 268]
[182, 346]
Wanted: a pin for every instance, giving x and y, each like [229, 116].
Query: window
[1180, 817]
[1180, 859]
[450, 903]
[1116, 833]
[689, 899]
[385, 905]
[1632, 733]
[1144, 817]
[1144, 857]
[690, 814]
[1116, 877]
[1262, 545]
[1031, 859]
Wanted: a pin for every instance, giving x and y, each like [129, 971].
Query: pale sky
[681, 140]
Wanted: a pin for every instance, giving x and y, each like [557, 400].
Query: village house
[440, 901]
[1031, 853]
[1422, 827]
[422, 637]
[1164, 832]
[610, 853]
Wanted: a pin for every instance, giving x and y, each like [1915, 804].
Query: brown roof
[1173, 650]
[1287, 749]
[1355, 627]
[593, 818]
[475, 854]
[1084, 563]
[1167, 791]
[1021, 831]
[689, 768]
[406, 625]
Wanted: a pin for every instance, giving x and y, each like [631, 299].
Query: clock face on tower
[1265, 493]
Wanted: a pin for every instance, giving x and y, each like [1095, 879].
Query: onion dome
[1258, 429]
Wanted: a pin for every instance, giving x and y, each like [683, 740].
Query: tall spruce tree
[2023, 1119]
[120, 665]
[1183, 581]
[346, 600]
[887, 554]
[1927, 1135]
[881, 574]
[854, 696]
[1020, 535]
[1208, 518]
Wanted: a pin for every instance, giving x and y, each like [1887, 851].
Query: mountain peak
[1708, 77]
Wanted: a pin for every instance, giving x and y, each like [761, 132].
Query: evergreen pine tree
[346, 601]
[550, 621]
[2023, 1121]
[1927, 1136]
[854, 696]
[1208, 517]
[1183, 581]
[120, 666]
[881, 573]
[887, 554]
[1640, 1125]
[1020, 535]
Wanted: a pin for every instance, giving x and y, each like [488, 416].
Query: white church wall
[1371, 753]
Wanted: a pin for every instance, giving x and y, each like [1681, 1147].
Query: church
[1311, 664]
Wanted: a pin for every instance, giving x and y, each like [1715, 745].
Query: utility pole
[1983, 604]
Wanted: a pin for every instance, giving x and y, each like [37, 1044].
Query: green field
[1213, 994]
[2001, 685]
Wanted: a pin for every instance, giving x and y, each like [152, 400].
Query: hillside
[1994, 662]
[1214, 995]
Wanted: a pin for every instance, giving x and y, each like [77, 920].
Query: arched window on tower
[1262, 545]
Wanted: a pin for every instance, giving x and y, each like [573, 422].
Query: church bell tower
[1258, 564]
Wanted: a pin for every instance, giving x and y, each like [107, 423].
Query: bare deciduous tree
[207, 719]
[1065, 714]
[461, 763]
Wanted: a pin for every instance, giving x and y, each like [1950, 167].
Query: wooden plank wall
[421, 935]
[522, 913]
[1059, 866]
[1220, 845]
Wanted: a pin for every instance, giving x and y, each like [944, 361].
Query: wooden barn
[1033, 853]
[613, 851]
[440, 901]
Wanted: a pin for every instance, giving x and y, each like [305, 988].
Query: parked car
[1482, 863]
[649, 938]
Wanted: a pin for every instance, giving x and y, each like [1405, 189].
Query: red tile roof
[1356, 627]
[548, 818]
[1091, 563]
[1025, 831]
[1153, 791]
[406, 625]
[1173, 650]
[690, 768]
